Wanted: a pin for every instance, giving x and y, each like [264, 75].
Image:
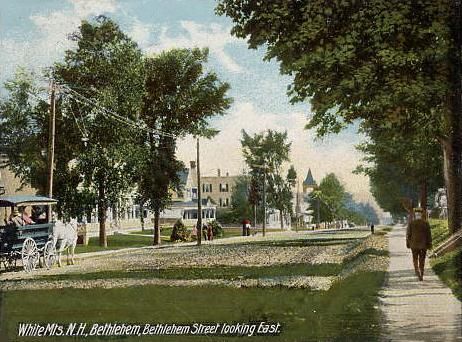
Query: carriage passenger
[26, 219]
[16, 219]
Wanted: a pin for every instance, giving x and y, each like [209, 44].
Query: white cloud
[48, 40]
[141, 33]
[85, 8]
[333, 155]
[213, 36]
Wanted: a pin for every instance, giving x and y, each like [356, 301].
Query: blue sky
[33, 34]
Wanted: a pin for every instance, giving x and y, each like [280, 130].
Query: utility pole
[51, 143]
[297, 207]
[255, 216]
[264, 200]
[318, 216]
[199, 197]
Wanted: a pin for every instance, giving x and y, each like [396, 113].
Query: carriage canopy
[25, 200]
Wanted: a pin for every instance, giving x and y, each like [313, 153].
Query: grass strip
[448, 267]
[117, 242]
[346, 312]
[225, 272]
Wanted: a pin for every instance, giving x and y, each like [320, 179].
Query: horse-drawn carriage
[21, 238]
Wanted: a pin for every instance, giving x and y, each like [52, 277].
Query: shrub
[217, 228]
[226, 216]
[179, 232]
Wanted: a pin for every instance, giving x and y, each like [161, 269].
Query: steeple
[309, 183]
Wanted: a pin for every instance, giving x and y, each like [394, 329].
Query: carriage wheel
[49, 254]
[29, 254]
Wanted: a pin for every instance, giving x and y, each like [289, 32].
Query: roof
[183, 176]
[24, 200]
[309, 180]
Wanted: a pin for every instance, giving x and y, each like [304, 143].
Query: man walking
[418, 239]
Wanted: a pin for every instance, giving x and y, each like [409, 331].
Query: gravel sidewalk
[415, 310]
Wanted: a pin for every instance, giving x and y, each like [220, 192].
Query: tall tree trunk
[452, 146]
[102, 212]
[281, 217]
[142, 215]
[255, 216]
[452, 163]
[156, 227]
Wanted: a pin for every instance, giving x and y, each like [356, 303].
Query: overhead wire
[115, 115]
[82, 131]
[107, 113]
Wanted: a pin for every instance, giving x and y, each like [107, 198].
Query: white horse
[65, 238]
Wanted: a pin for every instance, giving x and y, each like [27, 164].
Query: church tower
[309, 183]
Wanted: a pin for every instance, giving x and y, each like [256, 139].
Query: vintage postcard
[227, 170]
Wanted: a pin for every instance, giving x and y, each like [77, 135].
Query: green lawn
[449, 266]
[440, 231]
[116, 242]
[346, 312]
[163, 232]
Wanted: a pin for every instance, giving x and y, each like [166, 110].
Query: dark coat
[418, 235]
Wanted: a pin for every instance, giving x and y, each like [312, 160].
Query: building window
[227, 201]
[137, 211]
[207, 187]
[224, 187]
[194, 193]
[221, 202]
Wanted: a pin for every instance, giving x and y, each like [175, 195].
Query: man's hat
[15, 211]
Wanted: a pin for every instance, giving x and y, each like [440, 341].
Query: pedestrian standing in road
[372, 228]
[245, 222]
[204, 232]
[418, 239]
[209, 232]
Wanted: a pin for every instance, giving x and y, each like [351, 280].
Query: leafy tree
[292, 176]
[336, 203]
[392, 63]
[107, 68]
[414, 160]
[358, 212]
[317, 201]
[241, 207]
[180, 98]
[369, 213]
[333, 194]
[23, 131]
[24, 139]
[266, 152]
